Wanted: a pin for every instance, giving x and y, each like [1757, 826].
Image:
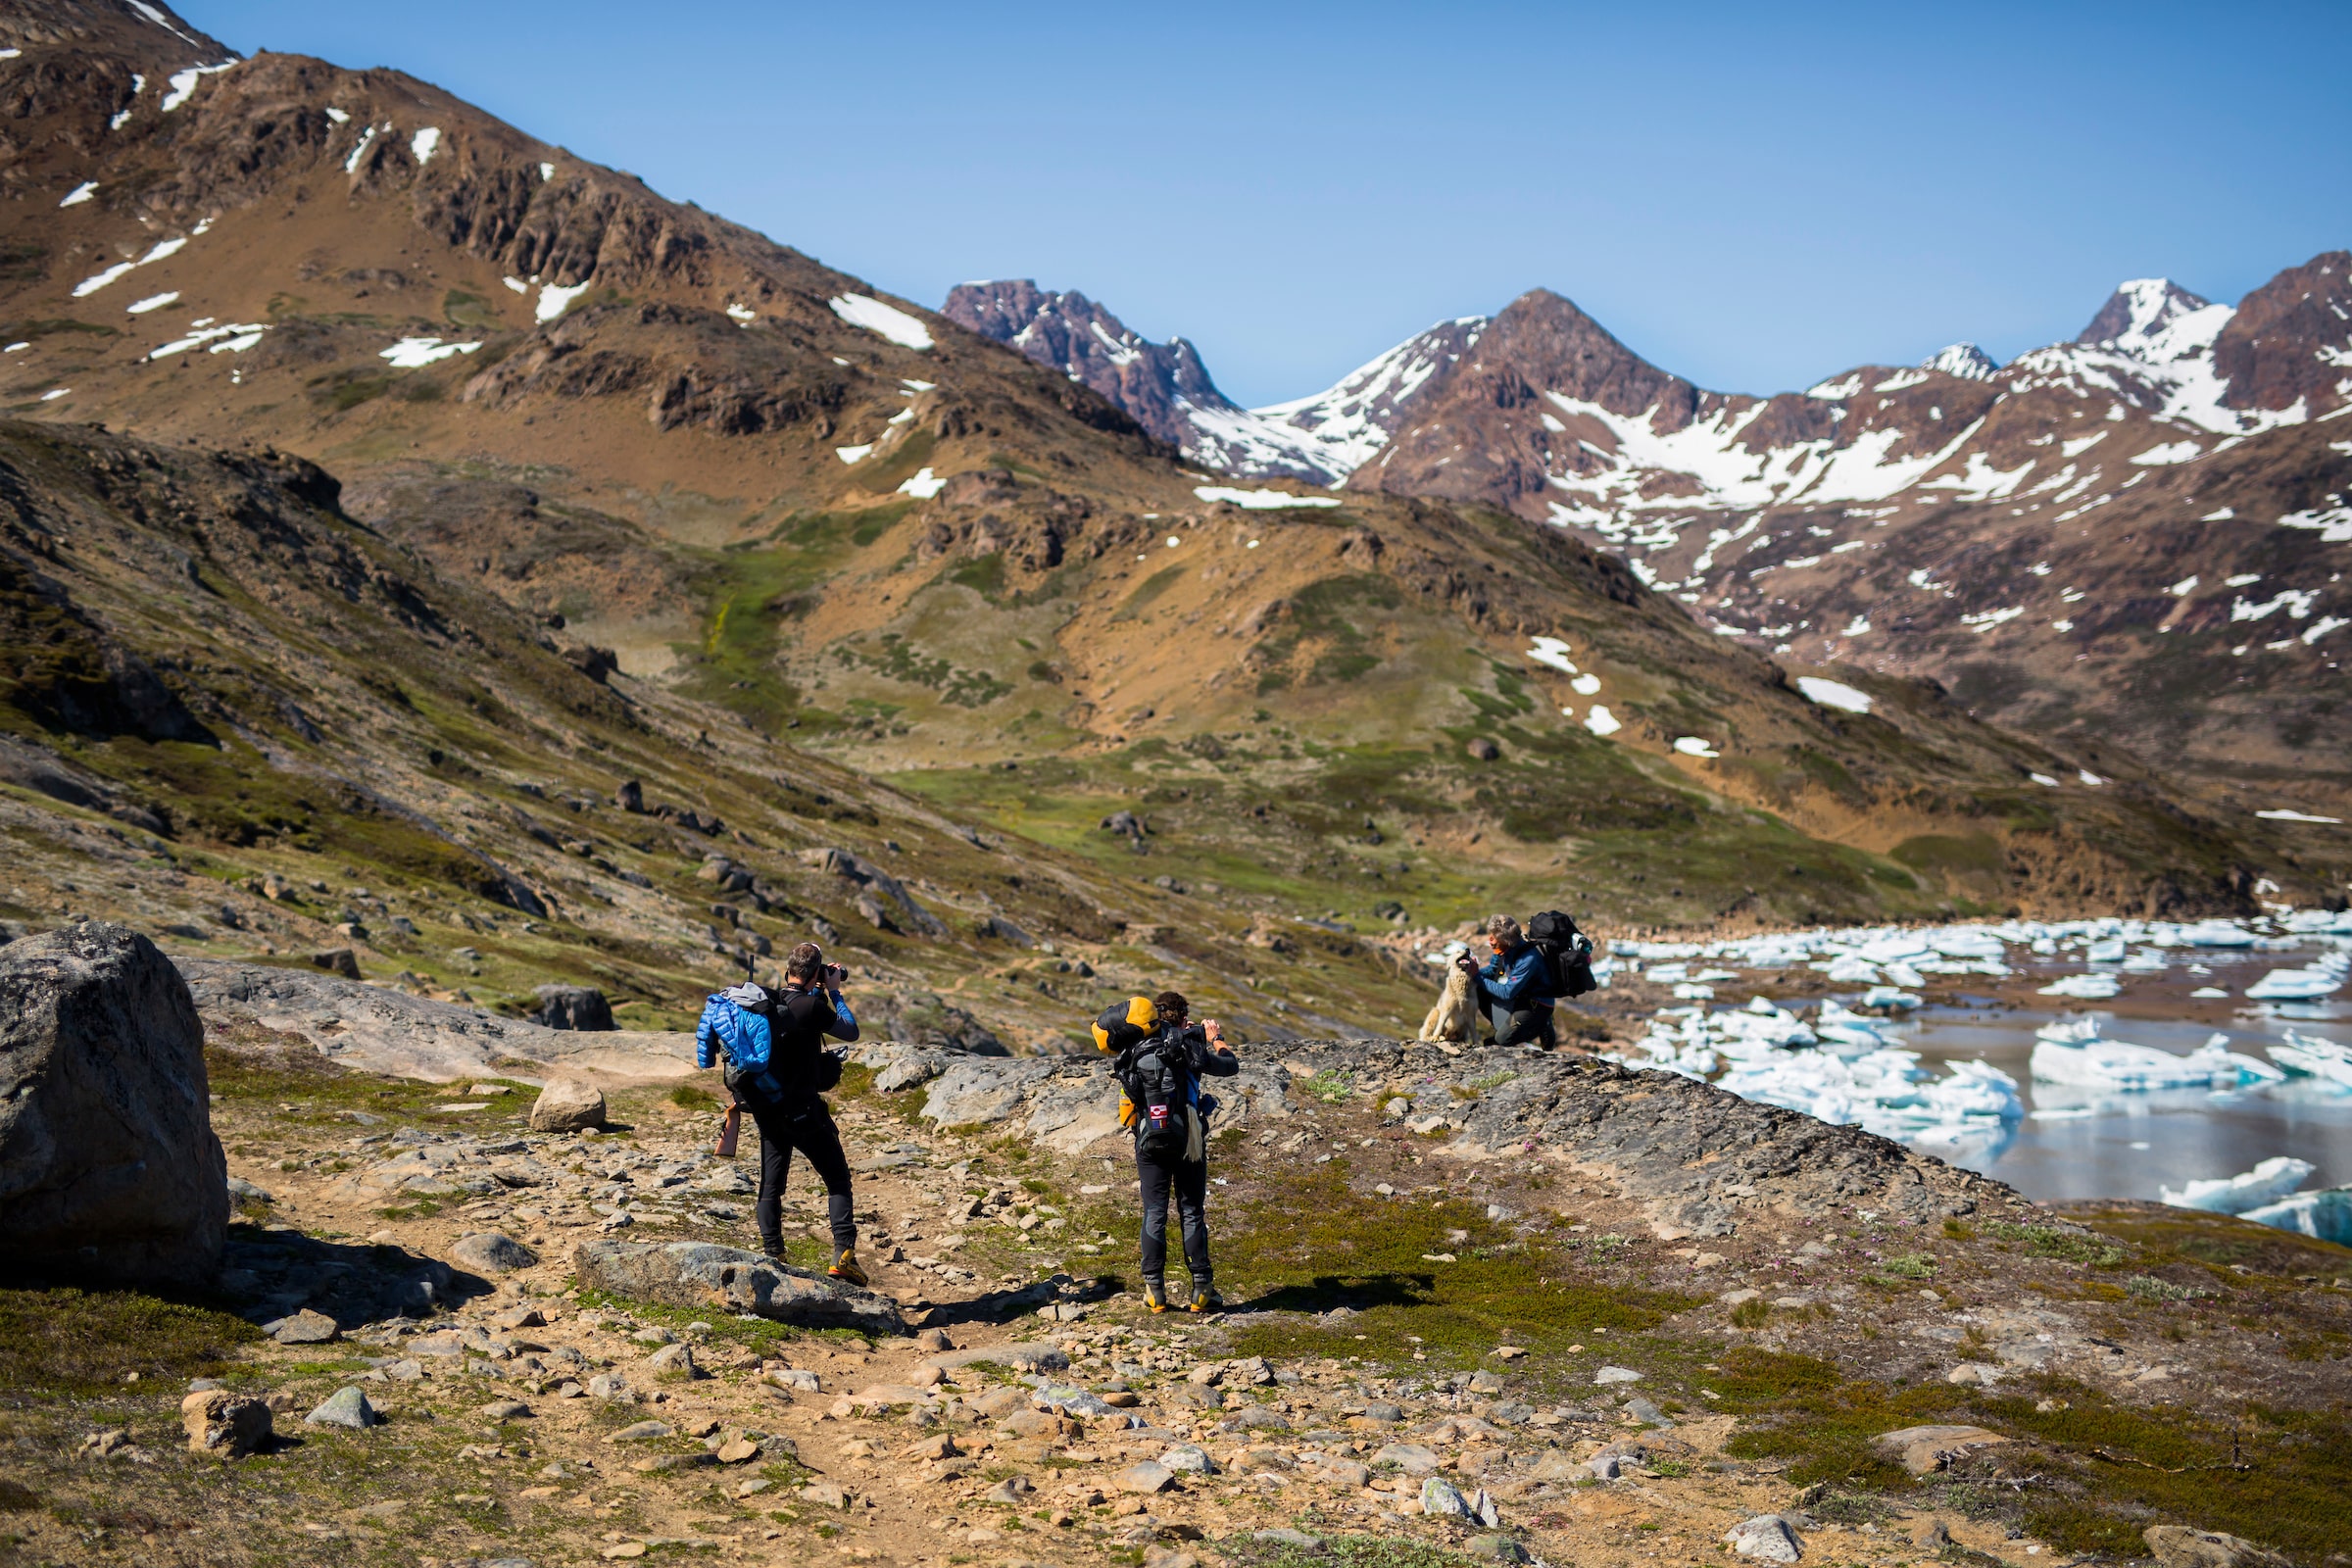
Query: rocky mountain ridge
[1920, 519]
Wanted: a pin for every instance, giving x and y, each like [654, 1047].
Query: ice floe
[2266, 1183]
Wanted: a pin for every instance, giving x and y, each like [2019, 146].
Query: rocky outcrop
[1701, 1158]
[703, 1275]
[109, 1169]
[374, 1030]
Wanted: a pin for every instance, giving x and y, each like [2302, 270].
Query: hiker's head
[1171, 1009]
[1503, 933]
[803, 965]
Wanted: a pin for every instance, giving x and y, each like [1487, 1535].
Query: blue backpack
[746, 1049]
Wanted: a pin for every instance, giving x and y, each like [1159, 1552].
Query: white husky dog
[1454, 1019]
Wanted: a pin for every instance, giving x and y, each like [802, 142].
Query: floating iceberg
[1837, 1026]
[2085, 986]
[2324, 1213]
[2266, 1183]
[2310, 1057]
[1886, 1092]
[2232, 1068]
[2110, 951]
[1892, 998]
[2075, 1055]
[2294, 984]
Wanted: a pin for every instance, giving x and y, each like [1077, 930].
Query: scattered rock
[1013, 1490]
[1976, 1372]
[641, 1432]
[1145, 1478]
[1483, 749]
[345, 1407]
[2178, 1546]
[338, 961]
[567, 1105]
[304, 1326]
[505, 1411]
[520, 1317]
[1413, 1458]
[825, 1494]
[1439, 1499]
[113, 1443]
[673, 1358]
[738, 1450]
[701, 1274]
[491, 1253]
[1616, 1374]
[241, 1191]
[934, 1340]
[1496, 1548]
[1189, 1459]
[106, 1139]
[1766, 1537]
[230, 1425]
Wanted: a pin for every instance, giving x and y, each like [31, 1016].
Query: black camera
[836, 976]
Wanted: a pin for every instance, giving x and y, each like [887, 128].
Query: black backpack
[1153, 1074]
[1567, 952]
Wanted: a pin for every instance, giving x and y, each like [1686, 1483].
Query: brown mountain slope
[858, 525]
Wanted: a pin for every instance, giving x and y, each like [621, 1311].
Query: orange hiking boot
[846, 1268]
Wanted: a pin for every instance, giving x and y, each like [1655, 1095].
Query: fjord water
[2080, 1143]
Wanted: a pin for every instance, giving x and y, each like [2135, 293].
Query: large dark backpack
[798, 1053]
[1567, 952]
[1153, 1073]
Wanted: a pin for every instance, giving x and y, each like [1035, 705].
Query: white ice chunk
[1601, 722]
[424, 144]
[1259, 500]
[153, 301]
[555, 299]
[883, 320]
[923, 486]
[80, 193]
[2324, 1213]
[1833, 694]
[415, 352]
[1694, 746]
[853, 454]
[183, 82]
[1554, 652]
[2085, 986]
[2266, 1183]
[2294, 984]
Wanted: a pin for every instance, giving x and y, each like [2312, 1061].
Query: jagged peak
[2138, 311]
[1963, 359]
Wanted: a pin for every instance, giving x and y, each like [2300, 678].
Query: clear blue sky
[1753, 196]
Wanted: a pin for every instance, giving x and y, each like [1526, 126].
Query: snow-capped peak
[2145, 315]
[1347, 423]
[1963, 359]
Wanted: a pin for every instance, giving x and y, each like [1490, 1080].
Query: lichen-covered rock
[567, 1105]
[701, 1274]
[109, 1169]
[564, 1007]
[2178, 1546]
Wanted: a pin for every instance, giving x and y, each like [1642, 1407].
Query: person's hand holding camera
[835, 976]
[1213, 1031]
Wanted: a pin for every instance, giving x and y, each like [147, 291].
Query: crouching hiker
[1516, 988]
[1159, 1057]
[777, 1068]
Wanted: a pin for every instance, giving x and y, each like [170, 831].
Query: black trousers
[1188, 1181]
[813, 1133]
[1526, 1026]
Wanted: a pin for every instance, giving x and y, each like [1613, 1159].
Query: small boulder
[2178, 1546]
[1766, 1537]
[1440, 1499]
[573, 1008]
[490, 1253]
[678, 1359]
[1145, 1479]
[304, 1326]
[1483, 749]
[230, 1425]
[505, 1411]
[567, 1105]
[1189, 1458]
[703, 1275]
[1616, 1374]
[1496, 1548]
[345, 1407]
[737, 1450]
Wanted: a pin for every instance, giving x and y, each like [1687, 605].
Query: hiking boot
[846, 1268]
[1156, 1296]
[772, 1246]
[1206, 1298]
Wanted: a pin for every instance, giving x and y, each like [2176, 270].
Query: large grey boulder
[701, 1274]
[577, 1008]
[109, 1169]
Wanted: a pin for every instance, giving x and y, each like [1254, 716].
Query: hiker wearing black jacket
[778, 1068]
[1192, 1052]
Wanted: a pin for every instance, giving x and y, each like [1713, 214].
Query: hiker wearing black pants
[1188, 1054]
[778, 1069]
